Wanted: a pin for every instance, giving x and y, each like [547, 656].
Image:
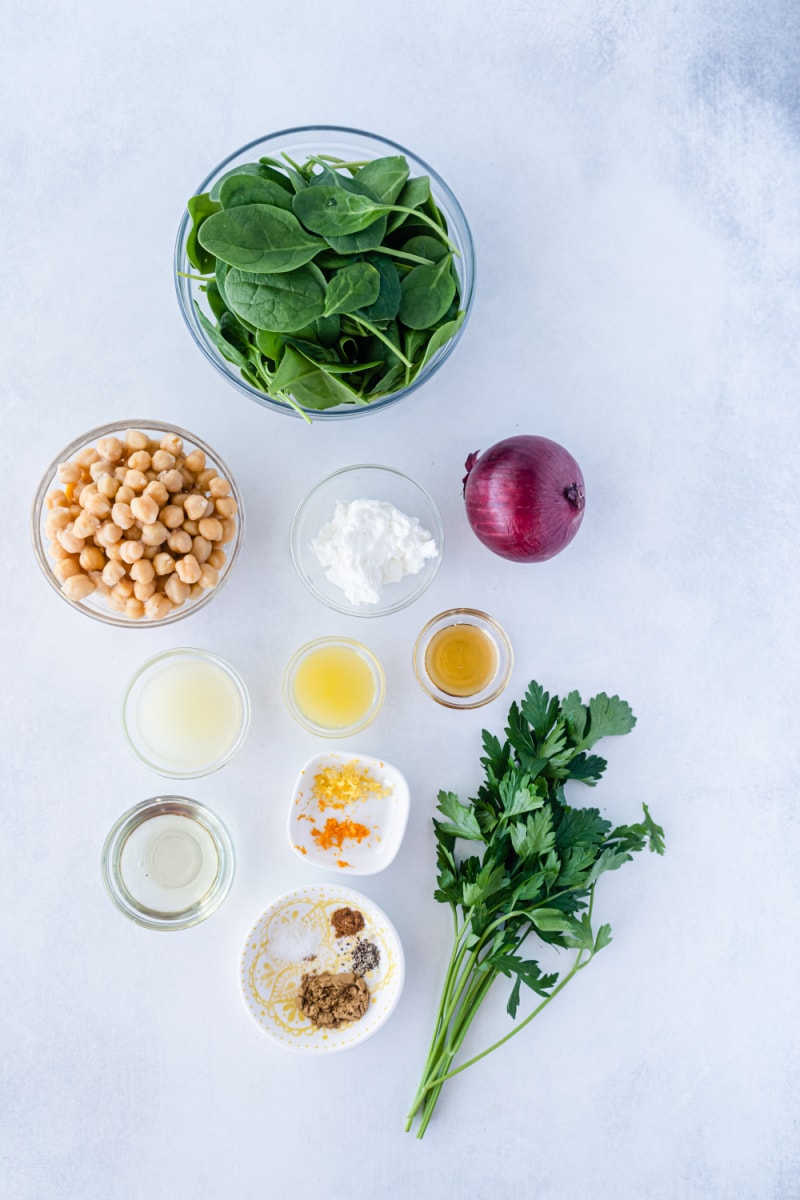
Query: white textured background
[631, 173]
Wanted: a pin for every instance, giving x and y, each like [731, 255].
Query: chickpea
[57, 518]
[78, 587]
[211, 528]
[150, 552]
[123, 588]
[58, 553]
[195, 461]
[100, 468]
[113, 552]
[134, 609]
[85, 457]
[120, 473]
[56, 499]
[66, 568]
[219, 487]
[201, 548]
[110, 448]
[92, 559]
[226, 506]
[172, 480]
[163, 460]
[139, 461]
[144, 509]
[143, 591]
[108, 486]
[71, 543]
[191, 527]
[131, 551]
[85, 525]
[117, 603]
[125, 494]
[142, 571]
[136, 480]
[136, 440]
[179, 541]
[122, 515]
[163, 563]
[96, 504]
[187, 476]
[176, 589]
[228, 530]
[204, 478]
[154, 533]
[209, 578]
[195, 507]
[157, 490]
[188, 569]
[171, 516]
[216, 559]
[69, 472]
[157, 607]
[108, 533]
[172, 444]
[112, 573]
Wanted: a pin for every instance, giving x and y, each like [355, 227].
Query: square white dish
[383, 815]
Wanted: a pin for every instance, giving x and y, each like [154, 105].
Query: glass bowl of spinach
[325, 272]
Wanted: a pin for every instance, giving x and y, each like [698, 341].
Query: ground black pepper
[366, 957]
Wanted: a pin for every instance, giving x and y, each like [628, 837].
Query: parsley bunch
[537, 873]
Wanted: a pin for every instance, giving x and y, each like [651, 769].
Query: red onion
[524, 497]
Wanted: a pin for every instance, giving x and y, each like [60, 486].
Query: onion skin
[525, 498]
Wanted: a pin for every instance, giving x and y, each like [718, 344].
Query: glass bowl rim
[498, 683]
[48, 480]
[454, 211]
[374, 664]
[118, 835]
[227, 669]
[376, 610]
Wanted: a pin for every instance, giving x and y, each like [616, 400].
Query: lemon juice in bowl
[334, 686]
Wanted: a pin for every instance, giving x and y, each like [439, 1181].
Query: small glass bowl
[144, 678]
[371, 482]
[488, 626]
[302, 655]
[211, 833]
[95, 605]
[299, 144]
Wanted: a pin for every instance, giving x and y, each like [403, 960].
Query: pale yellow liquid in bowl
[334, 687]
[188, 715]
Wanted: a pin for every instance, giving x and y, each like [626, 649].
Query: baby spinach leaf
[441, 337]
[384, 177]
[258, 238]
[332, 210]
[426, 294]
[270, 344]
[242, 169]
[352, 288]
[200, 207]
[415, 192]
[357, 243]
[387, 304]
[281, 303]
[327, 330]
[215, 301]
[426, 246]
[310, 386]
[215, 337]
[253, 189]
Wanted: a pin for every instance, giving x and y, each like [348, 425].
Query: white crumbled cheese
[369, 543]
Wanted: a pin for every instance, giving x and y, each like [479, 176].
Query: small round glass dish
[334, 686]
[185, 713]
[140, 585]
[294, 940]
[286, 148]
[463, 658]
[366, 482]
[168, 863]
[348, 813]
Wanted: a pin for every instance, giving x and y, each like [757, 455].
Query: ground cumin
[347, 921]
[328, 1000]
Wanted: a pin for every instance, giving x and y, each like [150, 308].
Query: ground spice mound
[347, 921]
[329, 1000]
[366, 957]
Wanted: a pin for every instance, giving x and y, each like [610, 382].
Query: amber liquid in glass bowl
[461, 659]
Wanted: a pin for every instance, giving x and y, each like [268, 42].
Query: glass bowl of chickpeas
[137, 523]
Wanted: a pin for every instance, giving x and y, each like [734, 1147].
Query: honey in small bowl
[462, 658]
